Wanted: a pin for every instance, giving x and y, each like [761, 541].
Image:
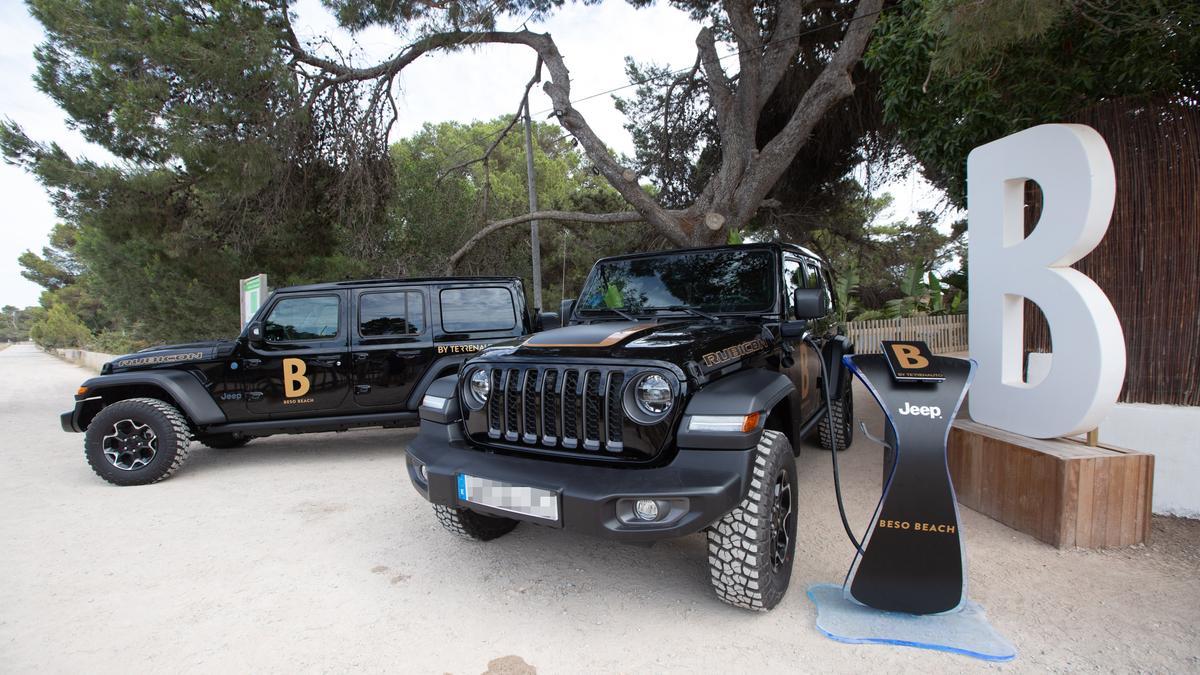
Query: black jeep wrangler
[672, 401]
[325, 357]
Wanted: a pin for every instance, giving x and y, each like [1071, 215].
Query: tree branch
[521, 108]
[570, 216]
[781, 48]
[831, 86]
[558, 89]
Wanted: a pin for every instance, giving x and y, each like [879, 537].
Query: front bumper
[77, 419]
[712, 481]
[69, 421]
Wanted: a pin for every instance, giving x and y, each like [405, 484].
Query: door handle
[361, 356]
[328, 362]
[253, 363]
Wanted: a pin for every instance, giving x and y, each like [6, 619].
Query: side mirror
[564, 310]
[254, 334]
[810, 303]
[548, 321]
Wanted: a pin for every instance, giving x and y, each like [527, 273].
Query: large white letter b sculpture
[1072, 165]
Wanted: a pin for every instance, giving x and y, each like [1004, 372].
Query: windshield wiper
[683, 308]
[614, 310]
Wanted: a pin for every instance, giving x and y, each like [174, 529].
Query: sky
[480, 83]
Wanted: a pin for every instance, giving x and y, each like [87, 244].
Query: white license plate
[528, 501]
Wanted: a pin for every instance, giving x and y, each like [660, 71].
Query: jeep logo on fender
[295, 383]
[930, 411]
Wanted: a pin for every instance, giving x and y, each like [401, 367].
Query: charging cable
[833, 437]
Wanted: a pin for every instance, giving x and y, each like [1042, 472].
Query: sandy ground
[314, 553]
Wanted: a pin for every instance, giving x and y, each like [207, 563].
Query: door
[393, 345]
[302, 364]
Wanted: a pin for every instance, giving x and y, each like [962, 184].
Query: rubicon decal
[735, 352]
[163, 358]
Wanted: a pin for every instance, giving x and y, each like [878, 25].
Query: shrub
[59, 328]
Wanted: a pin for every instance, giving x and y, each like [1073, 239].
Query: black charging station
[911, 559]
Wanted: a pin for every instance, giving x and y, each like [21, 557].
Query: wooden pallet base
[1060, 491]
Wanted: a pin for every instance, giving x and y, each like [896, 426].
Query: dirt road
[314, 553]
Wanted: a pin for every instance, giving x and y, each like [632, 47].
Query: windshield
[719, 281]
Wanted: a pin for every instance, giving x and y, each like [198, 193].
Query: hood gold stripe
[612, 339]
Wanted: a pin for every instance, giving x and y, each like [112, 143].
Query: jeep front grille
[576, 408]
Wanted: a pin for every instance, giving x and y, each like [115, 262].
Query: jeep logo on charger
[930, 411]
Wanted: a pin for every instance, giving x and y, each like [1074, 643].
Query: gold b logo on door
[295, 383]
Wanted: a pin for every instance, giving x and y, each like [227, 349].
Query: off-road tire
[843, 421]
[742, 562]
[224, 441]
[169, 426]
[470, 525]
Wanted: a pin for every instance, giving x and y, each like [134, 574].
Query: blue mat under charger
[963, 632]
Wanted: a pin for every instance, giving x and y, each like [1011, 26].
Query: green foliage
[434, 212]
[921, 293]
[959, 73]
[15, 322]
[59, 328]
[116, 342]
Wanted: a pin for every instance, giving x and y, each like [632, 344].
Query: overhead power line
[637, 83]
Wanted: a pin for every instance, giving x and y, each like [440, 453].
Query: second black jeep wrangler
[671, 402]
[324, 357]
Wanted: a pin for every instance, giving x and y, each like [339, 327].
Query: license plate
[527, 501]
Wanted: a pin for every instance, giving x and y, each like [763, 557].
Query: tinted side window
[477, 309]
[793, 278]
[310, 318]
[395, 313]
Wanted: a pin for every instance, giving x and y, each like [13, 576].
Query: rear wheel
[751, 549]
[843, 421]
[224, 441]
[470, 525]
[137, 441]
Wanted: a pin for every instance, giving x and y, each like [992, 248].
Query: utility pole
[533, 207]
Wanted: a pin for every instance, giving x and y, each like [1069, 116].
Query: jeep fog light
[424, 473]
[646, 509]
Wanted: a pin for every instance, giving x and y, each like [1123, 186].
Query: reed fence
[943, 334]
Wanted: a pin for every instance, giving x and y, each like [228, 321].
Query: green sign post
[253, 292]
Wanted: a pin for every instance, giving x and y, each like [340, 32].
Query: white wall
[82, 357]
[1170, 432]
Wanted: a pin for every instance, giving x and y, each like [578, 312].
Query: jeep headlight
[479, 385]
[652, 395]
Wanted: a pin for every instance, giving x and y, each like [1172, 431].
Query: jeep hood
[675, 340]
[170, 355]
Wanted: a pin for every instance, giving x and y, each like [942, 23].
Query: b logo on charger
[931, 411]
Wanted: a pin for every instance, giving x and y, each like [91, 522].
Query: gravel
[314, 553]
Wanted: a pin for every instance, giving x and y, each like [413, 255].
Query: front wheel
[137, 441]
[751, 549]
[470, 525]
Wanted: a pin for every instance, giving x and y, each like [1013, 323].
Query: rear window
[393, 313]
[465, 310]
